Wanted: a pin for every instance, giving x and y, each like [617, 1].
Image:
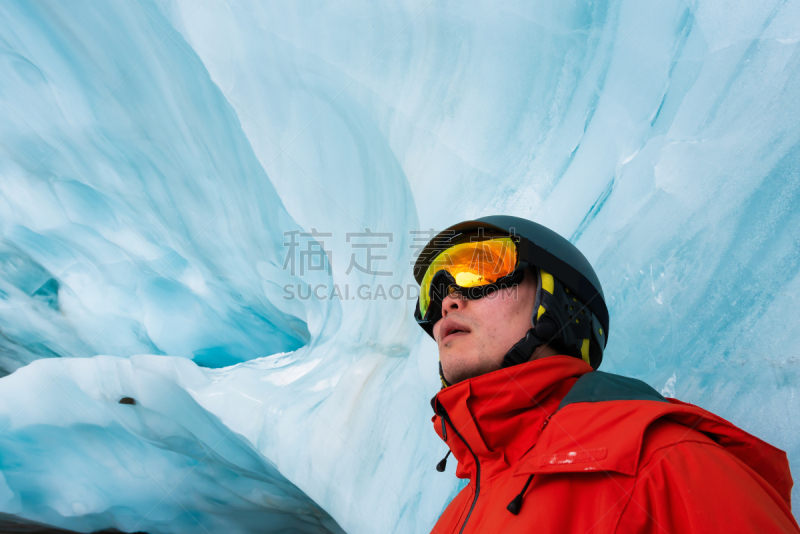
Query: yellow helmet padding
[585, 351]
[548, 285]
[547, 281]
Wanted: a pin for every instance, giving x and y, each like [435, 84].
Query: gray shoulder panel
[598, 386]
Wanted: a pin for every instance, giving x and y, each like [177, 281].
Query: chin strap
[522, 349]
[534, 338]
[445, 383]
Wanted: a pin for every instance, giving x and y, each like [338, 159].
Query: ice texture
[154, 155]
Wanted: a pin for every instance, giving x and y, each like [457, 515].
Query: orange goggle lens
[471, 264]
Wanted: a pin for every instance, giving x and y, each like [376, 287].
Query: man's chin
[458, 367]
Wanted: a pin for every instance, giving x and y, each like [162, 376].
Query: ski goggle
[469, 265]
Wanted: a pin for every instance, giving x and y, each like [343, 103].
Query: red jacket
[601, 454]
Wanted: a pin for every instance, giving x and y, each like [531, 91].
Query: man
[550, 444]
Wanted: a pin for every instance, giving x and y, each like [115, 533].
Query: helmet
[570, 312]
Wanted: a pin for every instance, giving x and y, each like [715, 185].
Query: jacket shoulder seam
[644, 462]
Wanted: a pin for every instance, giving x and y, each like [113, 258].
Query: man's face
[474, 335]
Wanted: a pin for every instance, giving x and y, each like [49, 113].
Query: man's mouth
[451, 329]
[453, 334]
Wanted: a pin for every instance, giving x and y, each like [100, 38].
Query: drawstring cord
[515, 505]
[443, 463]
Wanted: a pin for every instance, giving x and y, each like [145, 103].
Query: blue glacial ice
[155, 157]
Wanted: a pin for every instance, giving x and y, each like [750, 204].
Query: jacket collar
[497, 417]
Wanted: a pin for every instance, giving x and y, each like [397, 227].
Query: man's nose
[452, 302]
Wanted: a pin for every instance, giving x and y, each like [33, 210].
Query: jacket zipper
[444, 416]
